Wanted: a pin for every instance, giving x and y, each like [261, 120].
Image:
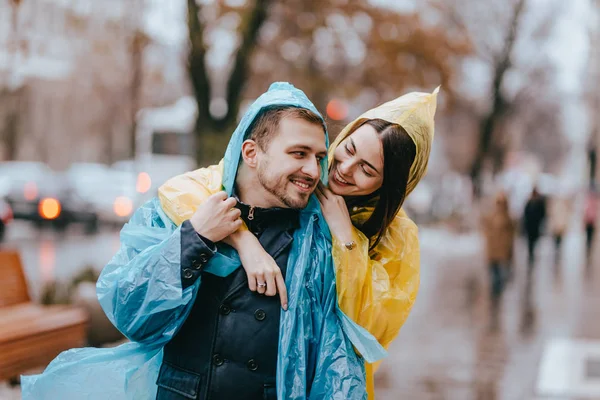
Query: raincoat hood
[279, 94]
[415, 113]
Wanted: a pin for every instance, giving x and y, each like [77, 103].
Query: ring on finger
[261, 284]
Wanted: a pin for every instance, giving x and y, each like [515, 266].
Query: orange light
[337, 110]
[144, 182]
[122, 206]
[30, 191]
[49, 208]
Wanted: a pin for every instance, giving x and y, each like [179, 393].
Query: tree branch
[197, 67]
[241, 69]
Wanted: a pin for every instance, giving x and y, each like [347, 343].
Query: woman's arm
[378, 291]
[181, 196]
[375, 289]
[259, 265]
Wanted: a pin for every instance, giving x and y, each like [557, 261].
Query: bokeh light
[144, 182]
[337, 109]
[49, 208]
[123, 206]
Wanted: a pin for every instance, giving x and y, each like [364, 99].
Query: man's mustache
[307, 179]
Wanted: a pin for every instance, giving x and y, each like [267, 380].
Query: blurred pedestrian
[589, 218]
[533, 218]
[559, 211]
[499, 233]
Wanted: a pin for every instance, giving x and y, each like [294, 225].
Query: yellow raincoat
[376, 288]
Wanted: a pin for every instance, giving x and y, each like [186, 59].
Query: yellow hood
[415, 113]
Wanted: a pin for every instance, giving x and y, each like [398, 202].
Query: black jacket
[227, 347]
[534, 216]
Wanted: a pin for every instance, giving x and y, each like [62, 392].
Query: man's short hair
[266, 124]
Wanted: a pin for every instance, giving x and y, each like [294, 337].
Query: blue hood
[279, 94]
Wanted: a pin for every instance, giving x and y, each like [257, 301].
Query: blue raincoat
[140, 291]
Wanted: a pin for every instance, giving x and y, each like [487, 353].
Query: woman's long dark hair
[399, 152]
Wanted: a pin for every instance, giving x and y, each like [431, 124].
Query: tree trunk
[241, 69]
[206, 125]
[11, 134]
[137, 47]
[499, 104]
[198, 76]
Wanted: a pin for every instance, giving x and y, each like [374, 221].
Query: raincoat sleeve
[141, 289]
[378, 290]
[180, 196]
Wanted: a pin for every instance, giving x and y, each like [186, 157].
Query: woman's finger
[322, 189]
[320, 196]
[252, 283]
[282, 290]
[261, 283]
[271, 285]
[326, 191]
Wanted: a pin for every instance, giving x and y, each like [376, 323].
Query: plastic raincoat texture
[140, 291]
[376, 289]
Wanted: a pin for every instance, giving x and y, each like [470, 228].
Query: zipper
[251, 213]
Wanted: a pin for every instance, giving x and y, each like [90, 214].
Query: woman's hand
[264, 275]
[335, 212]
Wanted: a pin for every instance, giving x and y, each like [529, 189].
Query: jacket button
[203, 258]
[260, 315]
[218, 360]
[187, 273]
[224, 309]
[196, 264]
[252, 365]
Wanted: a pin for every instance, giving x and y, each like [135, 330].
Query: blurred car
[39, 194]
[111, 193]
[6, 215]
[152, 171]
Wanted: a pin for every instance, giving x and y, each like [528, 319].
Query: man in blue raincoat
[182, 298]
[227, 346]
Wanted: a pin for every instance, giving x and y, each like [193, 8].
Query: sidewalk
[452, 347]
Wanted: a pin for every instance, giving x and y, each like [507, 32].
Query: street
[48, 256]
[455, 345]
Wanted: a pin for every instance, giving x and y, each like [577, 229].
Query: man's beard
[278, 188]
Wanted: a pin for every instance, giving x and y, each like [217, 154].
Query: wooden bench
[31, 335]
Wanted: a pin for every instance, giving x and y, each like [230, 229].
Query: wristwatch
[350, 245]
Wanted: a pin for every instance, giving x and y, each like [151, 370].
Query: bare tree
[501, 33]
[139, 40]
[252, 18]
[327, 48]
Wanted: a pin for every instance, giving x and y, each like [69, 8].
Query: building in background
[74, 73]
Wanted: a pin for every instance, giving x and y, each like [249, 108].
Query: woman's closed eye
[365, 171]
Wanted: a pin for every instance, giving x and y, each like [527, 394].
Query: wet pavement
[48, 256]
[455, 345]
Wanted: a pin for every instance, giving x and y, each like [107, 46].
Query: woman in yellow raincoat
[374, 163]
